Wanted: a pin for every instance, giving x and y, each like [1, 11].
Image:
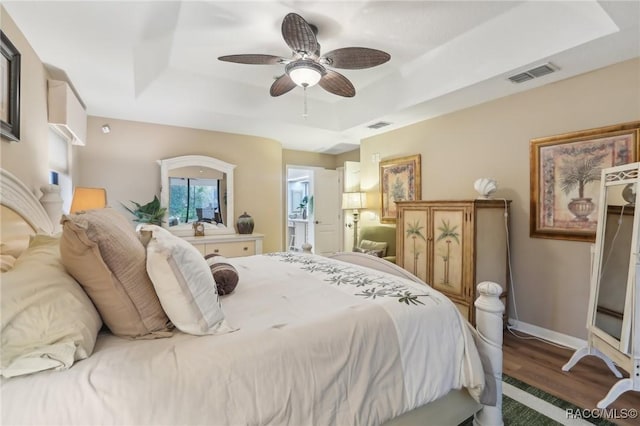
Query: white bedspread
[319, 342]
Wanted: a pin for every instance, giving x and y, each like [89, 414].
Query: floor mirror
[613, 320]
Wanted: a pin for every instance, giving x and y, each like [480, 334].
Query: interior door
[326, 212]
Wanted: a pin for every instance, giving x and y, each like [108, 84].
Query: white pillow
[184, 284]
[48, 321]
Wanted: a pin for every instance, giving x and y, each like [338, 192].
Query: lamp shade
[354, 200]
[88, 198]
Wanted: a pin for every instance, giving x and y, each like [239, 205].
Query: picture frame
[565, 171]
[10, 96]
[400, 180]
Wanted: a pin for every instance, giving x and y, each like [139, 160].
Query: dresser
[454, 245]
[228, 245]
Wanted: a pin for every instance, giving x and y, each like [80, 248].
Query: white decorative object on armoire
[485, 187]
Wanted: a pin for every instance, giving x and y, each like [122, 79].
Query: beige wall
[551, 277]
[303, 158]
[347, 156]
[125, 163]
[29, 158]
[316, 159]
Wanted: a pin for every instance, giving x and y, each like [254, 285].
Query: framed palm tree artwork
[565, 175]
[399, 181]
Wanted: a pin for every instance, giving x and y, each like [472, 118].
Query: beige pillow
[101, 250]
[367, 245]
[376, 253]
[48, 322]
[6, 262]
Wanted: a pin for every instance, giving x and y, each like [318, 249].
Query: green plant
[303, 203]
[310, 205]
[147, 213]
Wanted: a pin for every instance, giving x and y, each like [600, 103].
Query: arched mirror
[613, 320]
[197, 188]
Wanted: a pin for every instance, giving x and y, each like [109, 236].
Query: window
[192, 199]
[59, 168]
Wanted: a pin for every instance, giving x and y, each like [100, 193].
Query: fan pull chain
[304, 113]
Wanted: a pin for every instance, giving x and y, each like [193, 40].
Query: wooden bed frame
[22, 214]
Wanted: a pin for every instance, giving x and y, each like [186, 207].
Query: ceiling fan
[307, 67]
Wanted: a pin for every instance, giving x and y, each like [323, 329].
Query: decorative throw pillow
[374, 245]
[224, 274]
[48, 321]
[377, 253]
[102, 251]
[184, 283]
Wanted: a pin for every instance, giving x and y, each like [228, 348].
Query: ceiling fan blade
[282, 85]
[337, 84]
[355, 58]
[253, 59]
[299, 35]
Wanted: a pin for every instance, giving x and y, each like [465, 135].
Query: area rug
[525, 405]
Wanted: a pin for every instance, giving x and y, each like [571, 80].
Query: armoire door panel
[414, 256]
[448, 250]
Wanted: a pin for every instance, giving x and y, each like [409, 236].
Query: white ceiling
[156, 61]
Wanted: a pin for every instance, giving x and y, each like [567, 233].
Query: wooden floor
[540, 364]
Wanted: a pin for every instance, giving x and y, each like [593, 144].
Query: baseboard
[546, 334]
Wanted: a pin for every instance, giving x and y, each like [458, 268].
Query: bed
[346, 340]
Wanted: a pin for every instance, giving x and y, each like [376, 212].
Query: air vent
[378, 125]
[521, 78]
[541, 70]
[536, 72]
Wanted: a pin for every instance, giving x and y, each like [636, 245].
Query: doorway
[313, 209]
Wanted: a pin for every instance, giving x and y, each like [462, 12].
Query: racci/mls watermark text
[602, 413]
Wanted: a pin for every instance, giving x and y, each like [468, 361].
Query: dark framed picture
[565, 178]
[399, 181]
[10, 97]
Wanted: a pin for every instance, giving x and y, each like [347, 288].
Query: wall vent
[536, 72]
[378, 125]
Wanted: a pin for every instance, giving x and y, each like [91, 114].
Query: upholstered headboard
[21, 215]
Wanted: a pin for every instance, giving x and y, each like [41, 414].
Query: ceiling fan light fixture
[305, 73]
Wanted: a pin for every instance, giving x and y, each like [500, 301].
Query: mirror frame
[169, 164]
[623, 353]
[615, 176]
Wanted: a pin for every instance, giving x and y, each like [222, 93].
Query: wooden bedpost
[489, 323]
